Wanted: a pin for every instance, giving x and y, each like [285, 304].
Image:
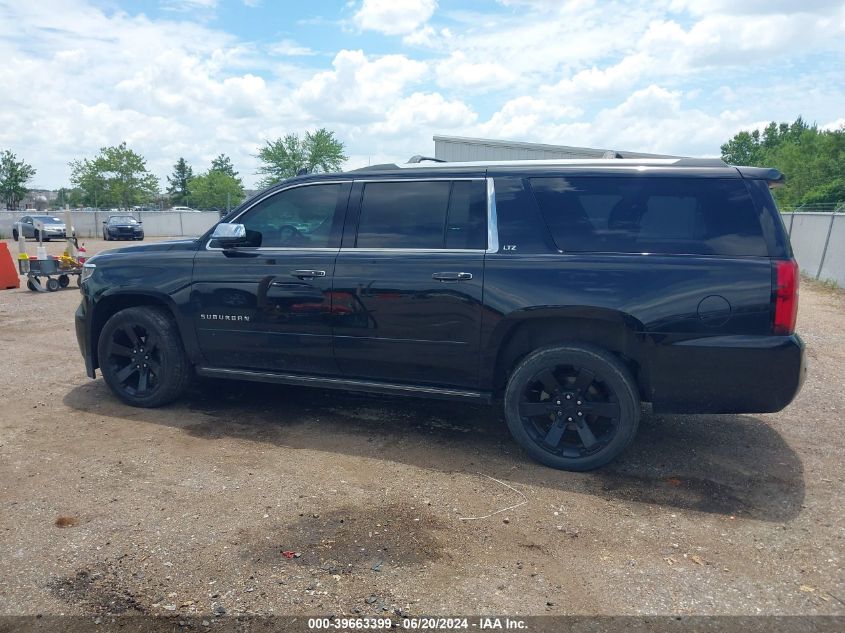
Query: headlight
[88, 270]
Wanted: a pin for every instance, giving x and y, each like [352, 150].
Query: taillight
[786, 296]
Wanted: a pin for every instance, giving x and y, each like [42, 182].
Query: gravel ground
[189, 509]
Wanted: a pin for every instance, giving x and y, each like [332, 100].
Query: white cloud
[188, 5]
[289, 48]
[431, 111]
[456, 71]
[838, 124]
[359, 89]
[525, 117]
[394, 17]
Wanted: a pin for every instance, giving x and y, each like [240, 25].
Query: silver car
[53, 227]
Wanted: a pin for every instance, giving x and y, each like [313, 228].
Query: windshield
[123, 219]
[47, 219]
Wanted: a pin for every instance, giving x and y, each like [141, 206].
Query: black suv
[571, 291]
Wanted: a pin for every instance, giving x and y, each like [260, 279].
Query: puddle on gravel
[353, 539]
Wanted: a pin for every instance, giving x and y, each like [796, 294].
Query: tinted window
[466, 222]
[419, 214]
[651, 215]
[302, 217]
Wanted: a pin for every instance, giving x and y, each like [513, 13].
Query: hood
[154, 247]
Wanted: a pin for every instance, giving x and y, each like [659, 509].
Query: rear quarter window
[637, 214]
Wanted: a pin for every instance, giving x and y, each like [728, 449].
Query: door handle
[308, 274]
[452, 276]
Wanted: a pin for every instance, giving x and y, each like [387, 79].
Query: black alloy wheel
[141, 356]
[573, 407]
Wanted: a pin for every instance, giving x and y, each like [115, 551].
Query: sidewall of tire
[611, 369]
[176, 369]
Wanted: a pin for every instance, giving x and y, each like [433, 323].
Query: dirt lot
[189, 508]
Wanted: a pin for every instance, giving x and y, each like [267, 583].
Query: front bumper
[126, 235]
[83, 336]
[727, 374]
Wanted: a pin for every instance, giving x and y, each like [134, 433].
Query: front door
[408, 283]
[266, 303]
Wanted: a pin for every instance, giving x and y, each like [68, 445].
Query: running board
[370, 386]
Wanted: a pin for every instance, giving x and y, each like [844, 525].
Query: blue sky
[195, 78]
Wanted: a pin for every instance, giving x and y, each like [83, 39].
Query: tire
[52, 284]
[35, 235]
[64, 281]
[142, 357]
[572, 407]
[30, 285]
[15, 234]
[105, 236]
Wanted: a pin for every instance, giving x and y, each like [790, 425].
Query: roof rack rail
[379, 167]
[701, 162]
[417, 158]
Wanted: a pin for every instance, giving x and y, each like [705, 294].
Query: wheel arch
[523, 332]
[112, 303]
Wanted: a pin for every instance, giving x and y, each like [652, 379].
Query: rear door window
[708, 216]
[423, 215]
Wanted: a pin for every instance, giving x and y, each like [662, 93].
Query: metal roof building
[459, 148]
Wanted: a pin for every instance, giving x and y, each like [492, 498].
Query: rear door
[266, 304]
[407, 295]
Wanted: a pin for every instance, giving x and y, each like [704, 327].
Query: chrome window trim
[492, 226]
[420, 179]
[492, 219]
[270, 194]
[375, 251]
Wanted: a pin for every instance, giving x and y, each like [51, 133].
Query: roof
[544, 147]
[610, 163]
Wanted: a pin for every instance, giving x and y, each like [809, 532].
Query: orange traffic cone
[8, 275]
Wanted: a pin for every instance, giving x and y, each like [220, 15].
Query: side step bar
[370, 386]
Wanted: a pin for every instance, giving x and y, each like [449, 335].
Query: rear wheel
[573, 407]
[52, 284]
[142, 358]
[64, 281]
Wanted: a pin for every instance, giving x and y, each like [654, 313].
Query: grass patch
[824, 285]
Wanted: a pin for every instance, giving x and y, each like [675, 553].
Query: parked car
[53, 227]
[184, 209]
[122, 227]
[568, 292]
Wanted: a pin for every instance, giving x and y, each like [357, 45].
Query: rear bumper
[727, 374]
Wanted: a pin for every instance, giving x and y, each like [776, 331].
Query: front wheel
[15, 234]
[573, 407]
[142, 358]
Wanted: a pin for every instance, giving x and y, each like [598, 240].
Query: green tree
[178, 189]
[117, 175]
[286, 156]
[223, 164]
[216, 190]
[813, 160]
[14, 176]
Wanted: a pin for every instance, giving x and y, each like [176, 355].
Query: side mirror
[227, 234]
